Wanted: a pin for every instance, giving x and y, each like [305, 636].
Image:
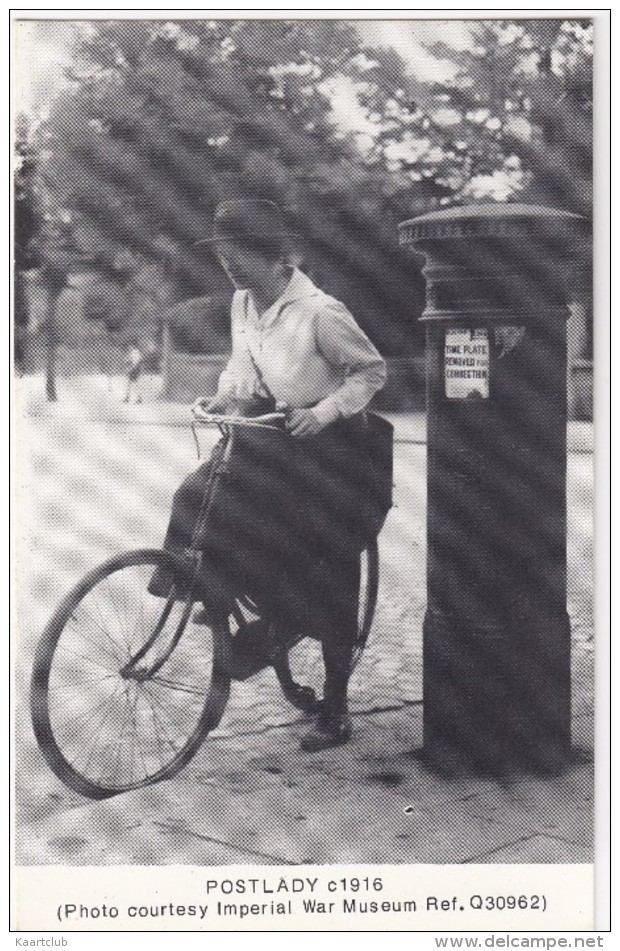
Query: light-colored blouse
[309, 350]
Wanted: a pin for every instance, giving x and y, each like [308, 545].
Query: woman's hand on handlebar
[218, 404]
[301, 423]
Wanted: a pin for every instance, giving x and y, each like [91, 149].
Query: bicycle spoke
[93, 713]
[176, 724]
[129, 599]
[134, 734]
[101, 722]
[106, 753]
[175, 685]
[156, 726]
[126, 728]
[116, 646]
[144, 767]
[120, 623]
[122, 734]
[102, 771]
[156, 718]
[88, 660]
[61, 688]
[138, 625]
[96, 644]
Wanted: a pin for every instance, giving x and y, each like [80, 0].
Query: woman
[301, 349]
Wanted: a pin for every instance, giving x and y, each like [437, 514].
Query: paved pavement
[90, 489]
[253, 798]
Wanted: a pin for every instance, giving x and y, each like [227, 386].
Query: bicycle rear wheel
[299, 667]
[125, 686]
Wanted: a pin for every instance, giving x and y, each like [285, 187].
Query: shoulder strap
[257, 369]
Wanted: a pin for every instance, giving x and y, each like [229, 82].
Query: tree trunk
[50, 353]
[21, 324]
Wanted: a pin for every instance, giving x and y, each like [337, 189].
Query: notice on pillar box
[466, 364]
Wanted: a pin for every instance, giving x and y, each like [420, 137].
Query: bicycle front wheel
[125, 685]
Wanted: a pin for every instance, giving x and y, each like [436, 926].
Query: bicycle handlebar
[266, 421]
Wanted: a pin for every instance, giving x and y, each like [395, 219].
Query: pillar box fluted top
[497, 219]
[505, 259]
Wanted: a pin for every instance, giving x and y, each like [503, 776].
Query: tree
[520, 109]
[160, 121]
[58, 256]
[27, 223]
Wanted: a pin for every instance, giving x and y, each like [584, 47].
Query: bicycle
[154, 681]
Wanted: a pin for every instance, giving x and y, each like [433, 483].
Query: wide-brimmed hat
[247, 219]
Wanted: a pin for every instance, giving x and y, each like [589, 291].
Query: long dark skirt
[284, 528]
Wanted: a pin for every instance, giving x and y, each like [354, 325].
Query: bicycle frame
[227, 426]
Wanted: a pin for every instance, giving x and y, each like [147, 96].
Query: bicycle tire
[49, 658]
[299, 668]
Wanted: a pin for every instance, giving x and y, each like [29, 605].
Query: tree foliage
[26, 225]
[519, 107]
[27, 213]
[161, 120]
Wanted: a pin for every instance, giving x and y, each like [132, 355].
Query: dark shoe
[328, 732]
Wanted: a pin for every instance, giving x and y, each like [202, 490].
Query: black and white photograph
[304, 512]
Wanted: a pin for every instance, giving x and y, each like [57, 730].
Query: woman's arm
[345, 345]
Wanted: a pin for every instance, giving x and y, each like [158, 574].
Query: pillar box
[496, 632]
